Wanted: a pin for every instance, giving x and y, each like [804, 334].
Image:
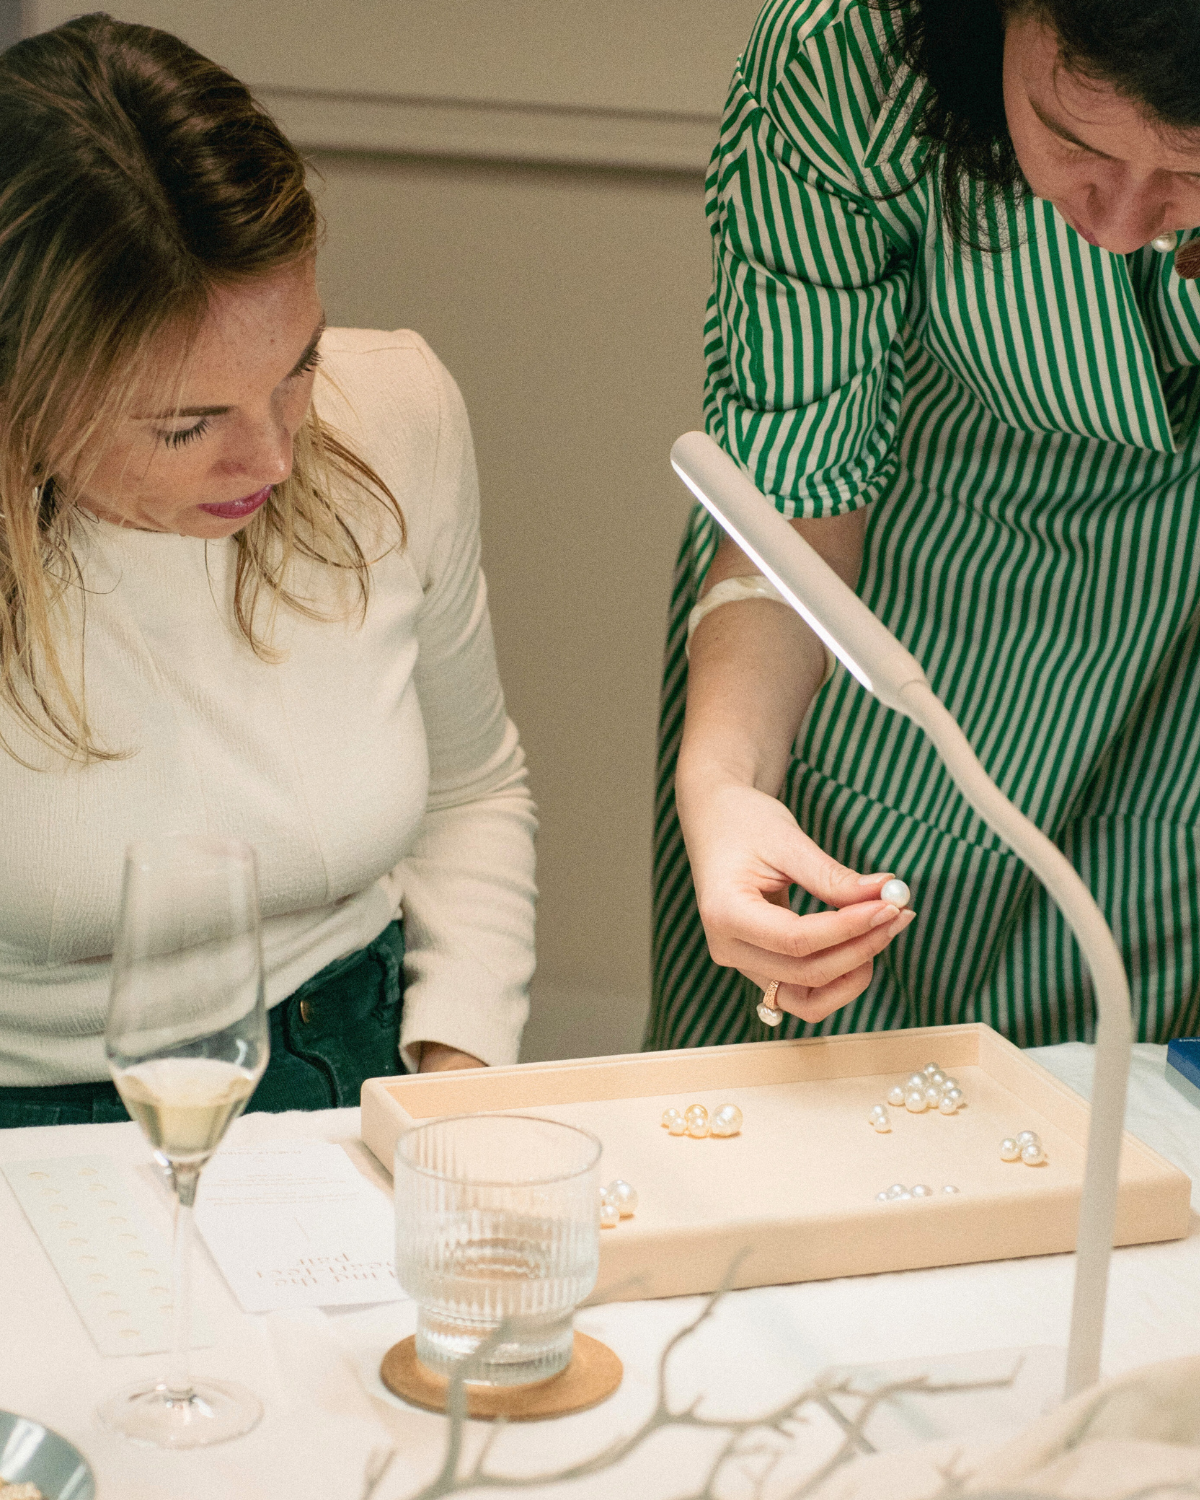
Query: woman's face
[204, 467]
[1116, 178]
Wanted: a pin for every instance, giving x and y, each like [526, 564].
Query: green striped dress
[1024, 426]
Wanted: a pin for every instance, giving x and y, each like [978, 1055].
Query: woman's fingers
[816, 1004]
[811, 950]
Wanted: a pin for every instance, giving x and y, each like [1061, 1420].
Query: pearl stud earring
[1165, 242]
[768, 1012]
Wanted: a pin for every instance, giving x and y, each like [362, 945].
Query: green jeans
[338, 1029]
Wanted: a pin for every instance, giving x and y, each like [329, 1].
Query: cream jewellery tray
[796, 1193]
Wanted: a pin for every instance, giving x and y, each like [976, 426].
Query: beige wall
[568, 305]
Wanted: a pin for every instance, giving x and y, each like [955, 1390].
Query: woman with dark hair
[953, 334]
[240, 594]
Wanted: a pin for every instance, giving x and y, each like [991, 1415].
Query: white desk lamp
[877, 659]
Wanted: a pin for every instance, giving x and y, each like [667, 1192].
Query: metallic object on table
[32, 1454]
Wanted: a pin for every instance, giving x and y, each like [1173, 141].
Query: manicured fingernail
[885, 914]
[871, 879]
[905, 918]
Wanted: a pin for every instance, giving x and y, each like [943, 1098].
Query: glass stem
[179, 1380]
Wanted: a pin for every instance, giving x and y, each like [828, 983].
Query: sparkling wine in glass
[187, 1043]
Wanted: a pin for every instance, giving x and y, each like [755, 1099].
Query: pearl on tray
[1009, 1150]
[949, 1188]
[921, 1191]
[929, 1070]
[914, 1101]
[914, 1081]
[897, 1190]
[933, 1097]
[697, 1121]
[950, 1083]
[896, 1097]
[1025, 1138]
[726, 1121]
[879, 1123]
[895, 892]
[624, 1195]
[947, 1105]
[679, 1124]
[610, 1214]
[1032, 1154]
[670, 1116]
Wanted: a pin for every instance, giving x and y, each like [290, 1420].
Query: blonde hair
[136, 177]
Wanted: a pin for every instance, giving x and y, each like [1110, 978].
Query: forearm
[753, 671]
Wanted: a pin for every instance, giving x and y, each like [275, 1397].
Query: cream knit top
[373, 767]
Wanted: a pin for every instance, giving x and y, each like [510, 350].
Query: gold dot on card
[39, 1174]
[97, 1276]
[119, 1314]
[137, 1254]
[129, 1333]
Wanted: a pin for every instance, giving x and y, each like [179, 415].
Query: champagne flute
[187, 1043]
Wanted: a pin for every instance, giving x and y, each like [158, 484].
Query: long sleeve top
[368, 758]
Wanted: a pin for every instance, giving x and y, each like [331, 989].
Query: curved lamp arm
[876, 658]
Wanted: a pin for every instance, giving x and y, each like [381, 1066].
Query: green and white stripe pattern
[1025, 427]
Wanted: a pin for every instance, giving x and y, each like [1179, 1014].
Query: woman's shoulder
[368, 372]
[394, 401]
[831, 71]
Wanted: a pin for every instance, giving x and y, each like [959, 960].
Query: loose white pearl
[929, 1070]
[697, 1121]
[670, 1115]
[933, 1097]
[949, 1189]
[610, 1214]
[914, 1081]
[624, 1195]
[678, 1125]
[954, 1095]
[946, 1105]
[881, 1197]
[1033, 1155]
[1009, 1150]
[1025, 1138]
[895, 892]
[914, 1101]
[949, 1083]
[897, 1190]
[1165, 242]
[904, 1195]
[881, 1124]
[938, 1078]
[726, 1121]
[921, 1191]
[896, 1096]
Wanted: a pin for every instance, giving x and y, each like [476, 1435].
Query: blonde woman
[240, 593]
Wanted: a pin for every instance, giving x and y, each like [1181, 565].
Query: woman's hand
[746, 849]
[436, 1057]
[754, 669]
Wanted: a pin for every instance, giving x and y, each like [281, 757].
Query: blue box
[1183, 1067]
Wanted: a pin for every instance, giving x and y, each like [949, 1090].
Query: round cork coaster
[592, 1376]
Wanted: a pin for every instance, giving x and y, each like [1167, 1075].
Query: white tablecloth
[325, 1410]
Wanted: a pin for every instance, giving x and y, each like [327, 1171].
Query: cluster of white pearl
[931, 1088]
[696, 1121]
[617, 1201]
[897, 1191]
[1026, 1147]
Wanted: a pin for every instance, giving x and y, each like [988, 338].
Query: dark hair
[136, 178]
[1148, 50]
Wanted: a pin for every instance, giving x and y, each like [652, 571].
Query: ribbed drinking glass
[497, 1238]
